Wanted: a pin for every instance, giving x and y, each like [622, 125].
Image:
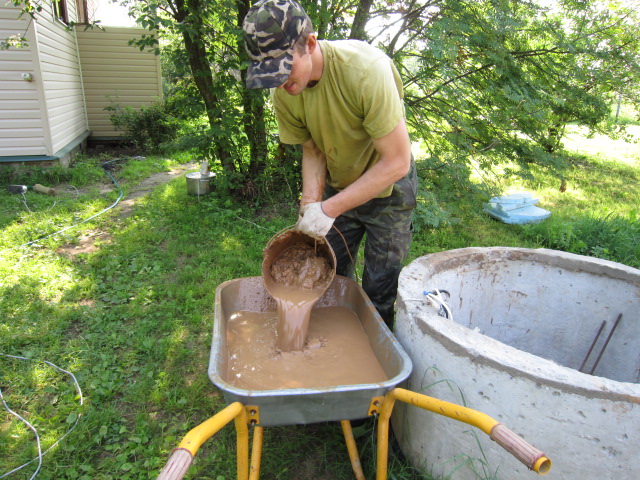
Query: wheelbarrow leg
[242, 433]
[256, 453]
[352, 449]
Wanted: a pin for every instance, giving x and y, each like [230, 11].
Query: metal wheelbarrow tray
[306, 405]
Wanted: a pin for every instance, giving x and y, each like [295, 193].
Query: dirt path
[149, 184]
[90, 240]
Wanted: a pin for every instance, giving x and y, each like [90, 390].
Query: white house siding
[61, 78]
[23, 124]
[116, 73]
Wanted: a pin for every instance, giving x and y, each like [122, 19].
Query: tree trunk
[555, 134]
[253, 110]
[360, 20]
[194, 42]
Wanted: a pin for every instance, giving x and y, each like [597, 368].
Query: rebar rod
[593, 344]
[615, 325]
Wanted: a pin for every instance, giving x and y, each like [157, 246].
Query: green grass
[130, 310]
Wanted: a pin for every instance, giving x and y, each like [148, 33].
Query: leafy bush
[428, 212]
[146, 128]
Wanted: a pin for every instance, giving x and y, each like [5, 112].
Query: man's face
[300, 73]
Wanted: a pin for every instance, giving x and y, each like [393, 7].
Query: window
[60, 12]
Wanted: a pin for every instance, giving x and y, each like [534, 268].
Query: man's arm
[395, 161]
[314, 173]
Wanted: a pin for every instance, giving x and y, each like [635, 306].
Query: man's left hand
[314, 221]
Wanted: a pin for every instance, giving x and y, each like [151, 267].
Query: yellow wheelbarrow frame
[243, 416]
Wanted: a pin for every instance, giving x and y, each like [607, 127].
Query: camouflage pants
[388, 228]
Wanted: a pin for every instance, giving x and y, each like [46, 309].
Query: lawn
[124, 302]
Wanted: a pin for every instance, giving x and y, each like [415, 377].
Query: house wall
[23, 124]
[46, 115]
[61, 77]
[116, 73]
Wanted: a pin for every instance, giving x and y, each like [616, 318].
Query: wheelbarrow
[263, 408]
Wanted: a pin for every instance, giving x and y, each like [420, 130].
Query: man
[342, 101]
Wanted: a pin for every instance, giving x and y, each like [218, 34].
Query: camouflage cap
[271, 29]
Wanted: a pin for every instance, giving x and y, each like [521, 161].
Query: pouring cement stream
[285, 349]
[296, 269]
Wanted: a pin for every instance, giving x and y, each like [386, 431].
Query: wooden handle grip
[519, 448]
[42, 189]
[177, 465]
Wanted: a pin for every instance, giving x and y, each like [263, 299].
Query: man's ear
[312, 42]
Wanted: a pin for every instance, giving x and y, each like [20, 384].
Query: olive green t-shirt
[358, 97]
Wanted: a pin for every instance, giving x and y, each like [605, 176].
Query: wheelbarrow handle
[177, 465]
[182, 457]
[512, 443]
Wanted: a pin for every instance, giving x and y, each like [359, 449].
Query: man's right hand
[314, 221]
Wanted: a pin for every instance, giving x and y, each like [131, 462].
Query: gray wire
[121, 194]
[24, 200]
[35, 432]
[254, 224]
[40, 452]
[86, 219]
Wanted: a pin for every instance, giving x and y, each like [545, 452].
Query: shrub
[146, 128]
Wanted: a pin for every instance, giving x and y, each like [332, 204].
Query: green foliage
[333, 20]
[496, 81]
[203, 40]
[611, 237]
[149, 127]
[82, 172]
[278, 181]
[623, 114]
[429, 213]
[14, 41]
[130, 312]
[486, 82]
[181, 94]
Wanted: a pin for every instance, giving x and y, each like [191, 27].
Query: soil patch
[86, 244]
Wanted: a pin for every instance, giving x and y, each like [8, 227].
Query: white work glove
[314, 221]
